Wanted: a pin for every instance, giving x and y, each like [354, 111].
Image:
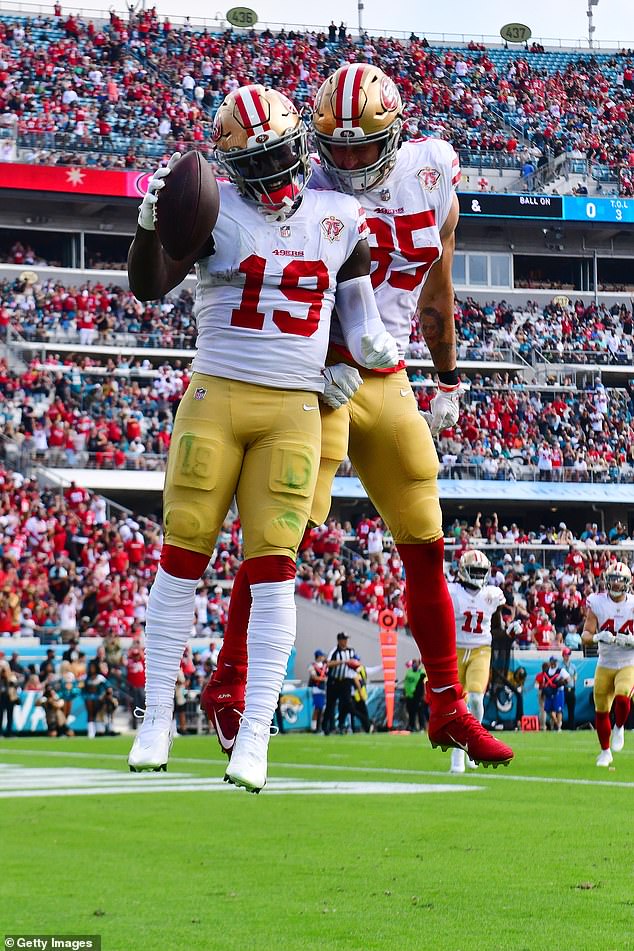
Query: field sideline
[359, 843]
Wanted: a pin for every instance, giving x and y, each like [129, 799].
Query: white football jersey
[405, 215]
[474, 610]
[617, 617]
[264, 298]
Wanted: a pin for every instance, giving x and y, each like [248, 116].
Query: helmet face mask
[618, 580]
[474, 570]
[261, 145]
[355, 107]
[363, 178]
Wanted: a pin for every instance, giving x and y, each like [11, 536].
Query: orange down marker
[388, 637]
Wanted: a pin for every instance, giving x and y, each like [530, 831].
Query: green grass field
[357, 843]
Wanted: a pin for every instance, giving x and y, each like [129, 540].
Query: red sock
[602, 724]
[621, 709]
[270, 568]
[182, 563]
[430, 611]
[233, 653]
[234, 645]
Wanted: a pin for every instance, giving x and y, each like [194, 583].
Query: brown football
[187, 206]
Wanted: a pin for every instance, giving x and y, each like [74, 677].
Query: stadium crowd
[74, 414]
[106, 95]
[89, 312]
[68, 566]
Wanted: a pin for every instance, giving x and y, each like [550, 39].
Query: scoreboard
[548, 207]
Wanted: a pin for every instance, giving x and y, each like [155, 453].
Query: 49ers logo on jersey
[389, 94]
[332, 227]
[429, 177]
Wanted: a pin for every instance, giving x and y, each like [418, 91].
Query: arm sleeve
[358, 313]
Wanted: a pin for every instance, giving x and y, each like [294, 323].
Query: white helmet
[474, 569]
[618, 579]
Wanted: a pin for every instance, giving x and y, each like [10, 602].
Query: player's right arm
[151, 272]
[366, 337]
[590, 628]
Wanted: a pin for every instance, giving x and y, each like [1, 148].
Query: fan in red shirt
[135, 679]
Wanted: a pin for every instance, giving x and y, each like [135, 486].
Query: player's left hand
[379, 352]
[342, 382]
[625, 640]
[444, 408]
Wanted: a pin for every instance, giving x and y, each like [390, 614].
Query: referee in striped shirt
[342, 663]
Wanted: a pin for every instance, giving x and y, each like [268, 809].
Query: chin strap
[280, 213]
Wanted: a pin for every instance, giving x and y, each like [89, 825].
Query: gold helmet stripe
[347, 104]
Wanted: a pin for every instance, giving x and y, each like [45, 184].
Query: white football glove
[625, 640]
[342, 382]
[147, 208]
[379, 352]
[604, 637]
[444, 408]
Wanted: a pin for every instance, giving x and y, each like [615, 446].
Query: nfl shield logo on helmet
[429, 177]
[332, 227]
[200, 393]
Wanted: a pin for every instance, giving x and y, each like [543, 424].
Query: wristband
[595, 638]
[449, 377]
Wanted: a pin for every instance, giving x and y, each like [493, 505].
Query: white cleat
[457, 762]
[248, 763]
[151, 748]
[618, 739]
[604, 758]
[471, 764]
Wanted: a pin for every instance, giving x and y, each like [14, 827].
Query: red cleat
[223, 702]
[452, 726]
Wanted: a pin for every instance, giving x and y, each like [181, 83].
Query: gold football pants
[392, 450]
[258, 443]
[608, 683]
[474, 664]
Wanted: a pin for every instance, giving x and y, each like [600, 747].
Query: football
[187, 206]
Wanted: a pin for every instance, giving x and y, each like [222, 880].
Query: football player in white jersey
[249, 424]
[408, 194]
[475, 602]
[610, 624]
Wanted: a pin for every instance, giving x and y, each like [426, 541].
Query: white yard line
[502, 773]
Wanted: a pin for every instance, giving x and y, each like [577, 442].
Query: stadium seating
[125, 93]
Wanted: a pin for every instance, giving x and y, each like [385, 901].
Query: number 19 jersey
[264, 298]
[405, 215]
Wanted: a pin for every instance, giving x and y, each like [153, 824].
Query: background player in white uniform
[412, 211]
[475, 602]
[610, 624]
[249, 422]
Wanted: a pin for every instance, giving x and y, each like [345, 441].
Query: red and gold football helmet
[260, 142]
[474, 569]
[618, 580]
[357, 106]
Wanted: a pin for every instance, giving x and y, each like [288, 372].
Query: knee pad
[420, 514]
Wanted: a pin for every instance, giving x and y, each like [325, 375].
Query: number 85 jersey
[265, 297]
[405, 215]
[474, 610]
